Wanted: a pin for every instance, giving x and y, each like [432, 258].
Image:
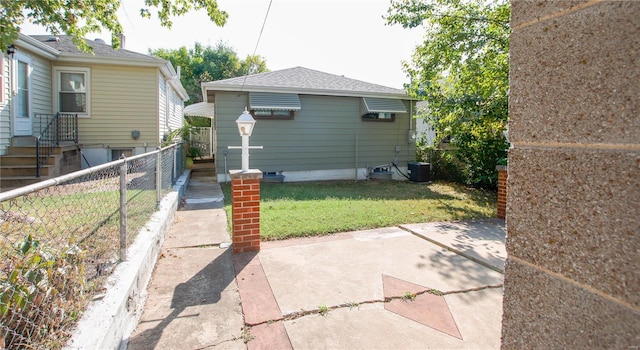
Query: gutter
[37, 47]
[303, 91]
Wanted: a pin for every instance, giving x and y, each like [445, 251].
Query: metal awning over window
[274, 101]
[200, 109]
[383, 105]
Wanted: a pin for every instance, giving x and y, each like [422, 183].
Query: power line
[266, 15]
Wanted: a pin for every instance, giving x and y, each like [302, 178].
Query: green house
[313, 126]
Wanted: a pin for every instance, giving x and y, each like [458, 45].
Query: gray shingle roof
[66, 47]
[299, 80]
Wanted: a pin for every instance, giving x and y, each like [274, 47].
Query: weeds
[323, 310]
[408, 296]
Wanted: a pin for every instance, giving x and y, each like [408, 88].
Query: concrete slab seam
[474, 259]
[325, 309]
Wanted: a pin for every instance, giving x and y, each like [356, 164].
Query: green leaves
[462, 71]
[79, 18]
[206, 63]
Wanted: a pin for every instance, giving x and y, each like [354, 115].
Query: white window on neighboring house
[72, 90]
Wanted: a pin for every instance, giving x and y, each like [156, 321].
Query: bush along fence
[61, 238]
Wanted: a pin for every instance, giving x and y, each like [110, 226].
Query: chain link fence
[61, 238]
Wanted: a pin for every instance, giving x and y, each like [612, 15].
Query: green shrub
[41, 295]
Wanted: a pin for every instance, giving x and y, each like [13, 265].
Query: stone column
[573, 229]
[245, 206]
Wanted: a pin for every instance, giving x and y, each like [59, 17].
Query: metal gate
[202, 139]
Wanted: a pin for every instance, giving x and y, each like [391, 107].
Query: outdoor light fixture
[245, 123]
[245, 126]
[11, 50]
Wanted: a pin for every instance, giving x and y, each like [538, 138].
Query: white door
[21, 111]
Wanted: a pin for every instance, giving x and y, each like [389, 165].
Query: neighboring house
[125, 102]
[424, 130]
[313, 125]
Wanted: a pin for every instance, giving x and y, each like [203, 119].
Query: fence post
[123, 209]
[158, 177]
[175, 164]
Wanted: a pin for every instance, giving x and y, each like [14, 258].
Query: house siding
[163, 108]
[326, 134]
[116, 111]
[176, 110]
[41, 96]
[5, 117]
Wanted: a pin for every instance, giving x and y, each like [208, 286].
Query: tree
[202, 64]
[79, 18]
[462, 71]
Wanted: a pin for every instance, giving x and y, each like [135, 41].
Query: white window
[22, 89]
[72, 90]
[379, 116]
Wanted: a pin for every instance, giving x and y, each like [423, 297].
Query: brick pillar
[502, 191]
[245, 206]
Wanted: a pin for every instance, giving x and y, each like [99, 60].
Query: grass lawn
[319, 208]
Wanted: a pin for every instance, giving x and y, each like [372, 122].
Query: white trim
[20, 57]
[325, 175]
[56, 88]
[301, 91]
[36, 46]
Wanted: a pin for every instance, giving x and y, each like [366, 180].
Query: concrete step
[21, 159]
[25, 170]
[11, 182]
[27, 141]
[28, 150]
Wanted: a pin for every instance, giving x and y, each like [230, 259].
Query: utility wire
[266, 15]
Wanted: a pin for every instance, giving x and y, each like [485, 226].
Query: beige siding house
[126, 102]
[314, 126]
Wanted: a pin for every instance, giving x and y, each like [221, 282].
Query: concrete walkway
[434, 285]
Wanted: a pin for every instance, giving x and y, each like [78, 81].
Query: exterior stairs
[18, 167]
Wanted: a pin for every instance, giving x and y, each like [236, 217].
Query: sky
[343, 37]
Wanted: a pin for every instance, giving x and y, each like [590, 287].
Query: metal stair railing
[62, 127]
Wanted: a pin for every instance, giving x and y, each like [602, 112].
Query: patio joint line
[299, 314]
[472, 258]
[242, 337]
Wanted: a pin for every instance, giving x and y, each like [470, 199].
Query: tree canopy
[206, 63]
[79, 18]
[462, 71]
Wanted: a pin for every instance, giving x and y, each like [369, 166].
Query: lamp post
[245, 197]
[245, 126]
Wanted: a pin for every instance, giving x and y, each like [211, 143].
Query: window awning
[383, 105]
[274, 101]
[200, 109]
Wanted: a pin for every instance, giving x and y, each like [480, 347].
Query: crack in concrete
[409, 296]
[245, 337]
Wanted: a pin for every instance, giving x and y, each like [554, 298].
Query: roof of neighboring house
[66, 47]
[303, 80]
[61, 48]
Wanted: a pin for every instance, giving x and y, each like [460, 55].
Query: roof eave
[323, 92]
[67, 57]
[173, 79]
[38, 47]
